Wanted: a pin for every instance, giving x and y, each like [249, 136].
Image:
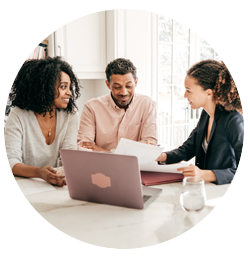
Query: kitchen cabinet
[82, 43]
[89, 43]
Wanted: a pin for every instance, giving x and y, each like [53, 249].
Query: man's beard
[124, 104]
[121, 104]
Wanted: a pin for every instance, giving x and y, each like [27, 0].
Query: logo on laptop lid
[101, 180]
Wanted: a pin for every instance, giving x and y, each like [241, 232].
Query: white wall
[129, 35]
[91, 88]
[100, 87]
[138, 46]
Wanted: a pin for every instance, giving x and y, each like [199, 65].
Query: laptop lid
[103, 178]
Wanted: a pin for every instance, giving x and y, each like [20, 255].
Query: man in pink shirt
[120, 114]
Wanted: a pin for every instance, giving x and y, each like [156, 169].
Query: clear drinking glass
[59, 168]
[193, 195]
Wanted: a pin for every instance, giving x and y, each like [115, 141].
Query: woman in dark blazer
[217, 140]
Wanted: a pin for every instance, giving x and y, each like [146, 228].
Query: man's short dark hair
[120, 66]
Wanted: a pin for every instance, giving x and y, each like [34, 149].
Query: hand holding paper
[151, 172]
[145, 153]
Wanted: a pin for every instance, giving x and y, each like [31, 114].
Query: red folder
[155, 178]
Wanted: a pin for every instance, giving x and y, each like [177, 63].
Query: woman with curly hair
[217, 140]
[43, 119]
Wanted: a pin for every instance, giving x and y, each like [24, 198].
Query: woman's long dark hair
[211, 74]
[35, 85]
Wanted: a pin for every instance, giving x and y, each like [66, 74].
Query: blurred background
[162, 50]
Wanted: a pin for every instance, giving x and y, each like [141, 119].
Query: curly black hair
[211, 74]
[34, 87]
[120, 66]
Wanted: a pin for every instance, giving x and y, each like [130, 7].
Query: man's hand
[92, 147]
[150, 142]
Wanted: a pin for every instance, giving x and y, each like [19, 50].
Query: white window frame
[195, 45]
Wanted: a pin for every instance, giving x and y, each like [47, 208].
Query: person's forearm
[23, 170]
[209, 175]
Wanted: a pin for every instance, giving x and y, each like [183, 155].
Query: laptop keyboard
[145, 198]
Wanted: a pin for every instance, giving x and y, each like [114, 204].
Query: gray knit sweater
[25, 142]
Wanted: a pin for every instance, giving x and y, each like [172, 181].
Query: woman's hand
[162, 157]
[194, 171]
[48, 174]
[191, 171]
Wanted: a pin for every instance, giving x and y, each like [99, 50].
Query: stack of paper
[151, 172]
[155, 167]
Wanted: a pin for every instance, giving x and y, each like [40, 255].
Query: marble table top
[118, 227]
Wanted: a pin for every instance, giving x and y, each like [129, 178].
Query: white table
[118, 227]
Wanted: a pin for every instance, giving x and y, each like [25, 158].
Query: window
[207, 52]
[178, 49]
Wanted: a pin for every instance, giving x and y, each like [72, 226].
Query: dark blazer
[224, 145]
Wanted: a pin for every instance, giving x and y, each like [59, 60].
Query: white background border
[224, 233]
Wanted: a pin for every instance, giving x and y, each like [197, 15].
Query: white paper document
[145, 153]
[163, 168]
[31, 186]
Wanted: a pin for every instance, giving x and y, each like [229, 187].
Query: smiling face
[196, 95]
[62, 98]
[122, 88]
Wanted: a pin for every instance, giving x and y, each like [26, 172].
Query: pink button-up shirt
[104, 123]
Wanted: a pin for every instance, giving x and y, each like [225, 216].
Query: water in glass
[193, 196]
[60, 169]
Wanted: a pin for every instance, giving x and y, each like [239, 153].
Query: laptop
[106, 178]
